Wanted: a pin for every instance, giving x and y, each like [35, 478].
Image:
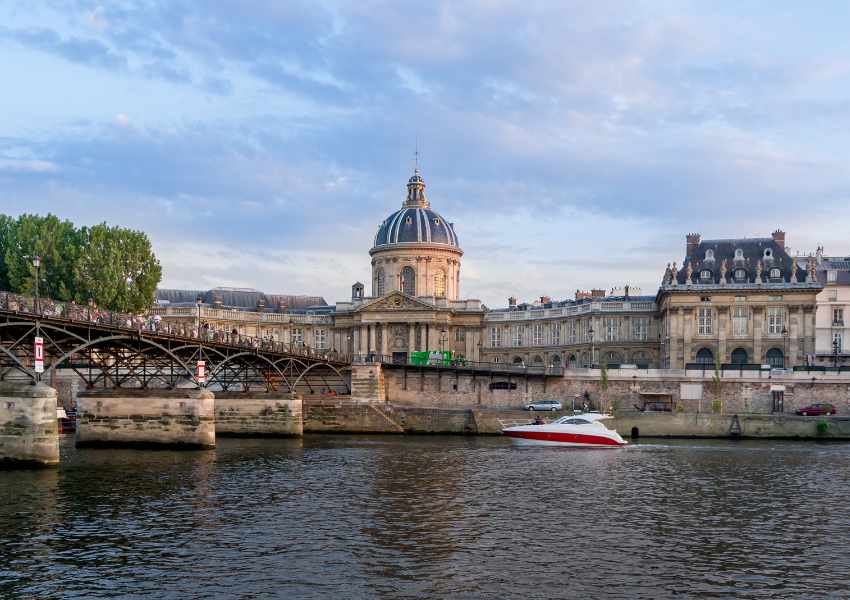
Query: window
[408, 281]
[740, 321]
[436, 221]
[705, 275]
[516, 338]
[705, 321]
[775, 274]
[497, 359]
[838, 316]
[408, 220]
[837, 342]
[768, 253]
[709, 255]
[775, 320]
[537, 332]
[495, 337]
[556, 333]
[740, 275]
[832, 276]
[739, 254]
[739, 356]
[320, 339]
[640, 328]
[380, 282]
[460, 334]
[775, 358]
[297, 337]
[573, 329]
[705, 356]
[611, 327]
[440, 284]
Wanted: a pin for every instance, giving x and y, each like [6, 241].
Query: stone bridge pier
[29, 434]
[182, 418]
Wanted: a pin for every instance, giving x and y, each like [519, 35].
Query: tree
[56, 242]
[117, 268]
[7, 226]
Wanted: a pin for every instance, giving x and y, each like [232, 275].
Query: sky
[573, 144]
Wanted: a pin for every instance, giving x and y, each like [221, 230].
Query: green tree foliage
[56, 242]
[117, 268]
[113, 266]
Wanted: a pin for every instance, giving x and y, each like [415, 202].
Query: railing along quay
[458, 364]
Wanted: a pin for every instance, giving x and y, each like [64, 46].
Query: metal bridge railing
[153, 324]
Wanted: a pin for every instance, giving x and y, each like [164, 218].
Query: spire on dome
[416, 192]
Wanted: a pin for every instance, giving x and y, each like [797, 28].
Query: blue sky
[573, 144]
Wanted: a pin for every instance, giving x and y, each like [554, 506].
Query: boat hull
[552, 438]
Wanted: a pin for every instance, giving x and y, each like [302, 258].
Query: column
[372, 343]
[385, 348]
[757, 332]
[411, 338]
[687, 335]
[364, 339]
[724, 318]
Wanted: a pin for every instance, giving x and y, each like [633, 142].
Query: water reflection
[425, 517]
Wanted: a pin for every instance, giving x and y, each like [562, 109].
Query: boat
[583, 430]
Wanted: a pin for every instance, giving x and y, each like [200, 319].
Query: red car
[821, 408]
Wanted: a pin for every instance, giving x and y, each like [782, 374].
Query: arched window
[775, 274]
[572, 361]
[556, 360]
[739, 356]
[537, 360]
[613, 358]
[739, 254]
[705, 356]
[380, 282]
[518, 360]
[740, 275]
[775, 358]
[440, 284]
[408, 281]
[705, 275]
[709, 254]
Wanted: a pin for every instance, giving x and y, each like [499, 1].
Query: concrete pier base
[258, 414]
[182, 418]
[29, 434]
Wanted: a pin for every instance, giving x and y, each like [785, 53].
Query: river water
[430, 517]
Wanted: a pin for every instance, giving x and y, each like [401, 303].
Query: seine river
[431, 517]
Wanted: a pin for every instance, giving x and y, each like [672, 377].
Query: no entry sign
[201, 372]
[39, 355]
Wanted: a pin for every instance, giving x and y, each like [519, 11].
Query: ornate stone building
[743, 301]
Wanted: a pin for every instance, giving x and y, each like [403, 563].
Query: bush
[822, 427]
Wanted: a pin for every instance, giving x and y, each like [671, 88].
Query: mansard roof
[239, 298]
[752, 250]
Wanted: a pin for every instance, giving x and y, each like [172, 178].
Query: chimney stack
[692, 241]
[512, 302]
[597, 293]
[779, 238]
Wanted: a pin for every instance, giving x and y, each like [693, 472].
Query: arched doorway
[739, 356]
[572, 362]
[518, 360]
[775, 358]
[408, 281]
[555, 361]
[537, 361]
[705, 356]
[613, 358]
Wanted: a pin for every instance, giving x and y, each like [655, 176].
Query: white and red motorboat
[584, 430]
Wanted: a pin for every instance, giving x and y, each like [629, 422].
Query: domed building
[416, 250]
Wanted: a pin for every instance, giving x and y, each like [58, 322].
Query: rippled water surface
[430, 517]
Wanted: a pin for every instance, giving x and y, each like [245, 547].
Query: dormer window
[408, 221]
[775, 273]
[740, 275]
[739, 254]
[705, 275]
[436, 221]
[709, 255]
[768, 254]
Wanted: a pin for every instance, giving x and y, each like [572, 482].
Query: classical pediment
[395, 301]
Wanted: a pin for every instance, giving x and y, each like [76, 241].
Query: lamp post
[784, 346]
[592, 347]
[36, 262]
[835, 350]
[443, 338]
[199, 301]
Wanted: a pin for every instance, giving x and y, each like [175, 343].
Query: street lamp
[835, 350]
[443, 338]
[784, 346]
[36, 262]
[592, 347]
[199, 301]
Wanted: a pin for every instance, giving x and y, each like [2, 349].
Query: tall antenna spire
[416, 154]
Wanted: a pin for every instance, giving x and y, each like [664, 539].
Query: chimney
[779, 237]
[512, 302]
[692, 241]
[597, 293]
[581, 294]
[545, 299]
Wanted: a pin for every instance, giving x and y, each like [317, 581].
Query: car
[551, 405]
[817, 409]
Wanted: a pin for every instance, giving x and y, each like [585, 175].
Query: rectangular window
[556, 333]
[516, 339]
[838, 316]
[740, 321]
[640, 329]
[495, 337]
[705, 321]
[775, 320]
[573, 325]
[837, 342]
[537, 331]
[460, 334]
[611, 326]
[832, 276]
[321, 339]
[297, 337]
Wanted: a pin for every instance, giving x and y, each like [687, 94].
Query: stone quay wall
[244, 414]
[707, 425]
[28, 426]
[127, 417]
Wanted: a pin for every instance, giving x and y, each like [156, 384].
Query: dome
[416, 223]
[416, 226]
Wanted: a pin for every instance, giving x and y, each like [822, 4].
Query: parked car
[820, 408]
[551, 405]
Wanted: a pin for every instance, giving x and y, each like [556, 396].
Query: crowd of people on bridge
[152, 324]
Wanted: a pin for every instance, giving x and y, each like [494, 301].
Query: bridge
[113, 350]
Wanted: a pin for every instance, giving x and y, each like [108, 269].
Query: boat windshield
[572, 421]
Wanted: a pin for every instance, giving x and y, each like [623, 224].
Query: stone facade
[272, 414]
[28, 426]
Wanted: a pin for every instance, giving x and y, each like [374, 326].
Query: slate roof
[416, 225]
[240, 298]
[566, 303]
[753, 250]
